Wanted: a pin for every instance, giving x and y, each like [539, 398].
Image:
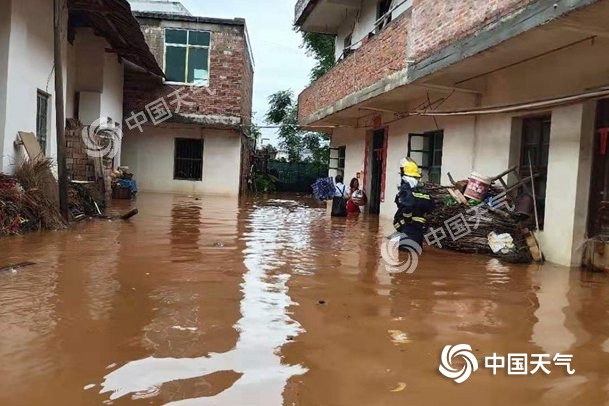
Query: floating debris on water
[184, 328]
[401, 386]
[399, 337]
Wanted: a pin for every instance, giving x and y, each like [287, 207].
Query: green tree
[322, 48]
[254, 134]
[300, 145]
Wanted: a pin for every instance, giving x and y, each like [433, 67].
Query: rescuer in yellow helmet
[413, 203]
[410, 168]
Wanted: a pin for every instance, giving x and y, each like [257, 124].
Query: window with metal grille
[427, 149]
[42, 120]
[536, 145]
[188, 159]
[337, 160]
[187, 56]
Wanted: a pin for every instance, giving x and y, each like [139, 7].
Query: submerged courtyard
[216, 301]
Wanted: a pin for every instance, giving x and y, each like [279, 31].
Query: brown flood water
[212, 302]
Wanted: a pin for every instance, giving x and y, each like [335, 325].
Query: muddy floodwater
[270, 302]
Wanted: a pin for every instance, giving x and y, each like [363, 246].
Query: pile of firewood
[476, 222]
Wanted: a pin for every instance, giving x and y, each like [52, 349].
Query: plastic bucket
[477, 187]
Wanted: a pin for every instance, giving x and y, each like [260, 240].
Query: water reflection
[272, 302]
[263, 327]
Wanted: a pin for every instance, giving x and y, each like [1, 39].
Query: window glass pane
[435, 174]
[439, 140]
[175, 64]
[437, 158]
[197, 65]
[427, 141]
[199, 38]
[176, 36]
[42, 121]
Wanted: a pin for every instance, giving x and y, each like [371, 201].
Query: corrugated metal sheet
[166, 7]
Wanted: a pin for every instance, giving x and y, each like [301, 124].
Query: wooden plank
[458, 196]
[32, 147]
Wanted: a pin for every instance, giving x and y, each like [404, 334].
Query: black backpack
[339, 204]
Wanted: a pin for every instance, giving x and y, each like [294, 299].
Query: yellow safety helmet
[410, 168]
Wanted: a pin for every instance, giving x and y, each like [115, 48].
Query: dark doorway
[535, 145]
[376, 173]
[598, 211]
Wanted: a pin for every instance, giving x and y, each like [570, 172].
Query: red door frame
[368, 158]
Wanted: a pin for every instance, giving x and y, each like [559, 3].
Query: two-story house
[471, 85]
[188, 132]
[99, 38]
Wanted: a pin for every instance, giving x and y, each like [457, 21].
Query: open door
[377, 158]
[598, 211]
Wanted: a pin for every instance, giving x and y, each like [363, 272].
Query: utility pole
[60, 120]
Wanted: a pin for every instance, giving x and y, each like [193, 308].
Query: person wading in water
[357, 197]
[413, 204]
[339, 202]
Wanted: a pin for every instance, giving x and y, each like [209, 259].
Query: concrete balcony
[375, 68]
[323, 16]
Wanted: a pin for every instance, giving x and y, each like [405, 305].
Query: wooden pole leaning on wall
[59, 6]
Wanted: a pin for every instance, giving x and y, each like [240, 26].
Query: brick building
[470, 85]
[187, 133]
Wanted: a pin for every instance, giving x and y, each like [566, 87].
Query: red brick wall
[439, 23]
[379, 57]
[247, 89]
[78, 164]
[229, 73]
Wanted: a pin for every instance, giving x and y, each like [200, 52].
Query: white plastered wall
[26, 66]
[150, 156]
[354, 141]
[575, 69]
[568, 189]
[490, 144]
[5, 31]
[99, 78]
[458, 150]
[29, 69]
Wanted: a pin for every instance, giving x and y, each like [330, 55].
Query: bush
[265, 183]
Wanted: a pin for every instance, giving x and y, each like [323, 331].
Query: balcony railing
[377, 57]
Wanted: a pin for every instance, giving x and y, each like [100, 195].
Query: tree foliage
[321, 47]
[300, 145]
[254, 134]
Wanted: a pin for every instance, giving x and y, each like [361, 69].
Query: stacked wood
[480, 221]
[24, 203]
